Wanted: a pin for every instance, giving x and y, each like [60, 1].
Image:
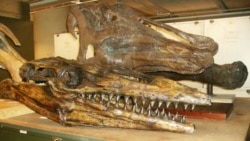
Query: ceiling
[164, 10]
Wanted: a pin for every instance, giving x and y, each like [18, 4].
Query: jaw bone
[92, 95]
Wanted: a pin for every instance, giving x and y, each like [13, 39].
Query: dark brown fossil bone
[121, 39]
[228, 76]
[124, 38]
[85, 94]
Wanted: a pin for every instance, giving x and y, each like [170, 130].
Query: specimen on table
[98, 95]
[115, 88]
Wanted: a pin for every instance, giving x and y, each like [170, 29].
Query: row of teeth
[154, 108]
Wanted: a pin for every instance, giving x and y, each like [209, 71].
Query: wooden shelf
[10, 108]
[233, 129]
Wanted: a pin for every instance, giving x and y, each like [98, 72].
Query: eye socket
[65, 76]
[70, 77]
[39, 74]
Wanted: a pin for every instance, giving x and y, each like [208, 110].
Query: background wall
[232, 36]
[15, 15]
[46, 24]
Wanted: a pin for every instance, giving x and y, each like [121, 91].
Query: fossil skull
[90, 94]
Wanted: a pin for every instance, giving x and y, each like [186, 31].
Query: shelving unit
[233, 129]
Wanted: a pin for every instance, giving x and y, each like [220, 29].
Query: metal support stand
[221, 108]
[220, 98]
[210, 89]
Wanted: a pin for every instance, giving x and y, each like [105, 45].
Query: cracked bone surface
[121, 36]
[89, 94]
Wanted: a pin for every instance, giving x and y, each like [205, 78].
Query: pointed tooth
[176, 115]
[117, 98]
[143, 102]
[107, 104]
[117, 103]
[163, 112]
[193, 106]
[159, 104]
[149, 112]
[135, 99]
[158, 113]
[111, 96]
[125, 107]
[142, 110]
[152, 103]
[176, 105]
[169, 114]
[134, 107]
[94, 97]
[186, 106]
[126, 99]
[165, 116]
[183, 119]
[173, 118]
[89, 96]
[102, 97]
[149, 107]
[168, 104]
[81, 95]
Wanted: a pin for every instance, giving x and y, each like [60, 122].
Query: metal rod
[200, 17]
[209, 89]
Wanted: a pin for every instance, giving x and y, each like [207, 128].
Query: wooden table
[233, 129]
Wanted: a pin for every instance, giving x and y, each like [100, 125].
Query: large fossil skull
[89, 94]
[122, 37]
